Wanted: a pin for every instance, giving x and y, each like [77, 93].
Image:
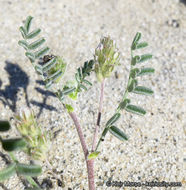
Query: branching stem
[90, 163]
[118, 109]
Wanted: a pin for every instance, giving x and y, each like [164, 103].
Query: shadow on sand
[18, 79]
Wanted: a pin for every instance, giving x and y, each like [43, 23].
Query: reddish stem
[80, 133]
[89, 163]
[90, 169]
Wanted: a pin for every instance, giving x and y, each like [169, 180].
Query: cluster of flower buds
[106, 57]
[37, 140]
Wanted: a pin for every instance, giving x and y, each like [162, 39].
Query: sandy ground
[155, 150]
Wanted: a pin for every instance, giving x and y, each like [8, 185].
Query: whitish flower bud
[38, 141]
[106, 57]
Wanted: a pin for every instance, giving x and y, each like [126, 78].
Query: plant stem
[90, 169]
[89, 163]
[101, 138]
[128, 82]
[118, 109]
[80, 133]
[99, 116]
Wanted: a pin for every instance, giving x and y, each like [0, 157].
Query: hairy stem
[99, 116]
[89, 163]
[80, 133]
[90, 169]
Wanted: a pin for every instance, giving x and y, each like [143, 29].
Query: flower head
[106, 57]
[37, 140]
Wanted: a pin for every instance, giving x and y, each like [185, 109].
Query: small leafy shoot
[93, 155]
[69, 108]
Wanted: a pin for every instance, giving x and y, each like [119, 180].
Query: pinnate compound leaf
[93, 155]
[87, 68]
[28, 170]
[143, 90]
[113, 119]
[36, 44]
[82, 72]
[13, 144]
[28, 23]
[7, 172]
[33, 34]
[4, 126]
[118, 133]
[145, 71]
[135, 109]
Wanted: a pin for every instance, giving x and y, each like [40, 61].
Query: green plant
[106, 57]
[26, 170]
